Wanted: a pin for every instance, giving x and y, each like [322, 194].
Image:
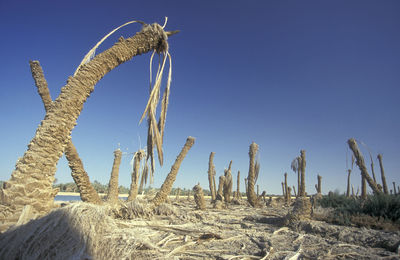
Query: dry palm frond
[92, 52]
[295, 164]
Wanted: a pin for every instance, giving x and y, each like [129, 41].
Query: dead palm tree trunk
[169, 181]
[384, 184]
[238, 196]
[251, 195]
[348, 183]
[286, 186]
[78, 173]
[112, 194]
[211, 174]
[361, 164]
[303, 173]
[227, 189]
[363, 188]
[138, 156]
[31, 181]
[220, 191]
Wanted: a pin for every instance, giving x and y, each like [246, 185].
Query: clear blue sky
[288, 75]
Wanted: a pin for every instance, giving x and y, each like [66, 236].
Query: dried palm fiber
[78, 231]
[132, 210]
[303, 173]
[294, 191]
[238, 196]
[170, 179]
[78, 173]
[112, 194]
[31, 181]
[383, 177]
[361, 164]
[251, 179]
[133, 191]
[228, 183]
[211, 176]
[220, 191]
[302, 210]
[199, 197]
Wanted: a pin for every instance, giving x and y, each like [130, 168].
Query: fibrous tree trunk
[348, 183]
[283, 189]
[228, 183]
[303, 173]
[294, 191]
[78, 173]
[112, 194]
[220, 191]
[384, 184]
[251, 195]
[286, 186]
[372, 168]
[289, 195]
[394, 188]
[299, 176]
[199, 197]
[245, 185]
[363, 188]
[45, 149]
[170, 179]
[211, 176]
[238, 196]
[319, 190]
[133, 191]
[361, 164]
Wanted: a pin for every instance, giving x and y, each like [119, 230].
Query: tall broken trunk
[348, 183]
[294, 191]
[228, 183]
[211, 176]
[363, 188]
[361, 164]
[220, 192]
[384, 184]
[298, 176]
[303, 173]
[31, 181]
[133, 191]
[394, 188]
[318, 185]
[112, 194]
[169, 181]
[251, 195]
[286, 186]
[238, 196]
[78, 173]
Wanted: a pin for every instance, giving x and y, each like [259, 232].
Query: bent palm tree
[31, 181]
[78, 173]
